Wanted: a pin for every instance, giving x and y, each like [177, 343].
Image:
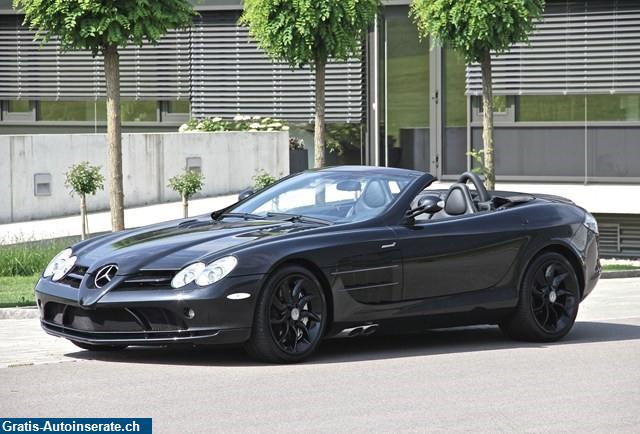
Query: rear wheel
[290, 317]
[549, 299]
[93, 347]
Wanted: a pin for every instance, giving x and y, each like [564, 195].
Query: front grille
[74, 276]
[148, 279]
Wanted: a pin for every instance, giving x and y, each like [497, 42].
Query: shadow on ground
[445, 341]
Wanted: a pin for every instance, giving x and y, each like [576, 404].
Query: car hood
[173, 245]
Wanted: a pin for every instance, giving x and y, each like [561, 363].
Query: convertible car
[345, 251]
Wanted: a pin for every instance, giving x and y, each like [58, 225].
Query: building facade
[567, 104]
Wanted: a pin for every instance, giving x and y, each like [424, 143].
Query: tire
[290, 317]
[548, 302]
[94, 347]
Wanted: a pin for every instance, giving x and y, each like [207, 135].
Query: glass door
[405, 136]
[453, 140]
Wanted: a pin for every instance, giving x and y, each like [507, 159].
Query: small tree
[102, 27]
[308, 33]
[262, 179]
[474, 28]
[187, 184]
[84, 179]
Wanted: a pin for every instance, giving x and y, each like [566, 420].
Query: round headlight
[187, 275]
[216, 270]
[60, 265]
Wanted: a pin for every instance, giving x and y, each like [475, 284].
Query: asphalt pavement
[460, 380]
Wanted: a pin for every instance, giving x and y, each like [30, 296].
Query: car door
[458, 254]
[368, 267]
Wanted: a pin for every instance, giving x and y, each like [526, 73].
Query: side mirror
[245, 194]
[429, 204]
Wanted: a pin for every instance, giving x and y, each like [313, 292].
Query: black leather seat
[459, 201]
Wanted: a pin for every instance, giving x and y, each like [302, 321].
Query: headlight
[590, 222]
[216, 270]
[60, 265]
[203, 274]
[187, 275]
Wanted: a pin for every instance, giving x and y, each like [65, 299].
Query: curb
[620, 274]
[19, 312]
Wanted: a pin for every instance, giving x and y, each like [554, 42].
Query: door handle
[387, 246]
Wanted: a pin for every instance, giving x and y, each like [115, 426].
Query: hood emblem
[105, 275]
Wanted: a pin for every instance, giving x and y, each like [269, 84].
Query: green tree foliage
[308, 33]
[83, 179]
[474, 28]
[96, 24]
[187, 184]
[102, 27]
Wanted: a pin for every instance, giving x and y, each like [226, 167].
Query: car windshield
[332, 196]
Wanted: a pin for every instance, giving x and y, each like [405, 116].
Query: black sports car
[342, 251]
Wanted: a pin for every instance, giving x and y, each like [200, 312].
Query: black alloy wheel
[290, 317]
[549, 300]
[552, 302]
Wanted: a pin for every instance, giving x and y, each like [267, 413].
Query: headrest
[374, 196]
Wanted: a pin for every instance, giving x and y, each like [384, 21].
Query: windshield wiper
[299, 218]
[242, 215]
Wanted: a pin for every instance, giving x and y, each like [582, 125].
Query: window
[499, 103]
[72, 110]
[20, 110]
[178, 106]
[503, 108]
[613, 107]
[550, 108]
[131, 111]
[571, 108]
[19, 106]
[139, 111]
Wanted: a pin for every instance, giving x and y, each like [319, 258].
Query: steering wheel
[483, 194]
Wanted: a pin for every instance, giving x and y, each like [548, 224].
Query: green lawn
[17, 290]
[619, 267]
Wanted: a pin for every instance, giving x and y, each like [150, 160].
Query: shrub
[238, 123]
[296, 143]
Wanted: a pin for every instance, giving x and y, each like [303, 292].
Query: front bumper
[151, 316]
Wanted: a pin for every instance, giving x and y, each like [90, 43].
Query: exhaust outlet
[369, 330]
[355, 332]
[352, 332]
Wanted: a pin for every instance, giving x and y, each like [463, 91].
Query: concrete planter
[298, 160]
[227, 159]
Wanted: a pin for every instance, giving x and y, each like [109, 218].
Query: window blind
[578, 47]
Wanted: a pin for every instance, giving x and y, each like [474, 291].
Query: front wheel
[290, 317]
[549, 299]
[94, 347]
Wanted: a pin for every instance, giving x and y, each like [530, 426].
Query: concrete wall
[229, 161]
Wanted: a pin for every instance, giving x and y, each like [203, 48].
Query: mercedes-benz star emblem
[104, 275]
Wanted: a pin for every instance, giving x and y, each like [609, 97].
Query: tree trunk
[319, 136]
[487, 121]
[185, 206]
[114, 138]
[83, 216]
